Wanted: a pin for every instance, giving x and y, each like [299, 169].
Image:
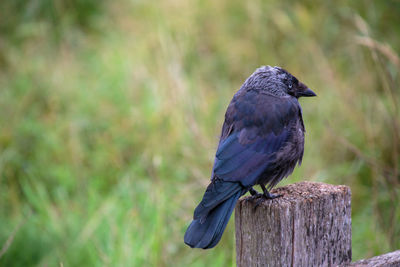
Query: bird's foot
[254, 193]
[268, 195]
[262, 197]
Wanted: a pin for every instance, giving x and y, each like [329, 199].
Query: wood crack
[296, 229]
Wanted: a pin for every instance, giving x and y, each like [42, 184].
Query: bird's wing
[256, 127]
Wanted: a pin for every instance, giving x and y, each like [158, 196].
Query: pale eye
[290, 85]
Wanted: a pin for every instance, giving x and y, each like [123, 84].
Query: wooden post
[310, 225]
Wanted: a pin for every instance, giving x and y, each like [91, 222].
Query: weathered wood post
[310, 225]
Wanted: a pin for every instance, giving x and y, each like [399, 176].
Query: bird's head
[277, 81]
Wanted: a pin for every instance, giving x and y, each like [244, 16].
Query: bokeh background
[110, 113]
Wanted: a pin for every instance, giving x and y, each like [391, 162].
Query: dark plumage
[261, 142]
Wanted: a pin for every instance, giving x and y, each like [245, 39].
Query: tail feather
[206, 232]
[217, 192]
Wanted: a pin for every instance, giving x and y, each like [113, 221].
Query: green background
[111, 113]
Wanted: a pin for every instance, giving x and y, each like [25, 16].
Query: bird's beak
[307, 92]
[303, 90]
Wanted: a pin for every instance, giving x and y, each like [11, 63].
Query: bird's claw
[273, 196]
[262, 197]
[252, 198]
[258, 195]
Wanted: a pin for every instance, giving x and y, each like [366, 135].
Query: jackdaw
[261, 142]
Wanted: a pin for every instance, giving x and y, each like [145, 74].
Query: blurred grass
[109, 124]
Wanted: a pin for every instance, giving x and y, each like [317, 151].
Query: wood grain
[391, 259]
[310, 225]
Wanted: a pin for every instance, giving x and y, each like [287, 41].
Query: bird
[261, 142]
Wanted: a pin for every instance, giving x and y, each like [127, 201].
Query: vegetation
[110, 115]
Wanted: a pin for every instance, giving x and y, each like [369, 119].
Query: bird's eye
[290, 85]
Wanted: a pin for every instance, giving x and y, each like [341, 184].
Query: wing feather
[260, 126]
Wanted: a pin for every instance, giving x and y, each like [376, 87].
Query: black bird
[261, 142]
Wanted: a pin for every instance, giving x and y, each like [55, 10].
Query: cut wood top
[305, 191]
